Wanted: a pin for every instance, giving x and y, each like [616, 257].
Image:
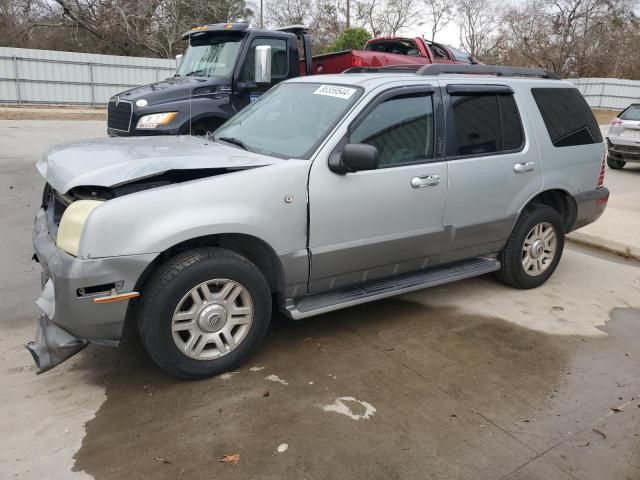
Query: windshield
[209, 56]
[290, 120]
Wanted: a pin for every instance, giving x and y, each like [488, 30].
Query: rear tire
[615, 164]
[204, 312]
[534, 248]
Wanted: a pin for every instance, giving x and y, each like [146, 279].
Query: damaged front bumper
[70, 317]
[53, 345]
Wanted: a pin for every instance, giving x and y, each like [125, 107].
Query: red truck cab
[386, 51]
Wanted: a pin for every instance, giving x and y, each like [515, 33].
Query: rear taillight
[356, 61]
[615, 122]
[602, 170]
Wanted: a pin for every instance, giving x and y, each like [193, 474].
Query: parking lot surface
[469, 380]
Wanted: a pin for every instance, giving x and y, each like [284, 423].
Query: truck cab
[224, 68]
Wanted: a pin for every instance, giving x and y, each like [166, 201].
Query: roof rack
[439, 69]
[409, 68]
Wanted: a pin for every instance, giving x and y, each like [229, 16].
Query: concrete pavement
[469, 380]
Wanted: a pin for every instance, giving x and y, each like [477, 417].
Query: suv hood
[117, 161]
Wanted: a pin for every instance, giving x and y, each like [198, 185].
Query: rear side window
[485, 124]
[631, 113]
[567, 116]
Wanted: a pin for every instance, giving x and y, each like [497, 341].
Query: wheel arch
[212, 119]
[254, 249]
[560, 200]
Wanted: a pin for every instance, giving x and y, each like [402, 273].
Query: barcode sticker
[335, 91]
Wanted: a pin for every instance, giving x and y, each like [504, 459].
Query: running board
[319, 303]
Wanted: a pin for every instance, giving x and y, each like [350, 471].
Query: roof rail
[408, 68]
[439, 69]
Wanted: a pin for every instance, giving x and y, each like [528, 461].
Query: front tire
[534, 248]
[204, 312]
[615, 164]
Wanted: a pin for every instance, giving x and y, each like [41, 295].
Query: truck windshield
[210, 56]
[291, 120]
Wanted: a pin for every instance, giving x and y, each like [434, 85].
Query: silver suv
[330, 191]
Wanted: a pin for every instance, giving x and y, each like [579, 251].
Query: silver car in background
[623, 138]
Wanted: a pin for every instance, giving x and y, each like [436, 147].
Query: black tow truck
[224, 68]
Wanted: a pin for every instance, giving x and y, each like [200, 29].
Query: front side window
[401, 128]
[290, 120]
[567, 116]
[279, 58]
[210, 56]
[485, 124]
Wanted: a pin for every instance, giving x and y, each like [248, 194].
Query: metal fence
[49, 77]
[609, 93]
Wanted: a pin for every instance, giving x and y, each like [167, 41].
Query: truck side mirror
[354, 157]
[178, 60]
[263, 64]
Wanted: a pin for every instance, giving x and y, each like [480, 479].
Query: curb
[610, 246]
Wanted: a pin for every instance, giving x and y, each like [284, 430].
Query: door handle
[425, 181]
[524, 167]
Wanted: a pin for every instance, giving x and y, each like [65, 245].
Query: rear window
[567, 116]
[631, 113]
[485, 124]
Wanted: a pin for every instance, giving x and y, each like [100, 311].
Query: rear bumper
[590, 205]
[70, 319]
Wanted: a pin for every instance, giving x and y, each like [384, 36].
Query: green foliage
[349, 39]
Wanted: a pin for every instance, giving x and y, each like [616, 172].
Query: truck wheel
[534, 248]
[615, 164]
[204, 312]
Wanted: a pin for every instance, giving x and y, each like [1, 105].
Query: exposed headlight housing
[72, 223]
[155, 120]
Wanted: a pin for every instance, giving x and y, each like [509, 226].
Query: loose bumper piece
[53, 345]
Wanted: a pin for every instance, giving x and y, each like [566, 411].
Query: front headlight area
[155, 120]
[72, 223]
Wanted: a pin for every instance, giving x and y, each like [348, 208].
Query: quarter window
[567, 116]
[485, 124]
[401, 128]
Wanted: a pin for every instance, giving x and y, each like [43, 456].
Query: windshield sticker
[335, 91]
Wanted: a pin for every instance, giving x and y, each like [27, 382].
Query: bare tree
[135, 26]
[289, 12]
[478, 22]
[574, 37]
[439, 13]
[386, 17]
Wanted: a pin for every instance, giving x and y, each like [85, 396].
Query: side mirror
[263, 64]
[178, 60]
[355, 157]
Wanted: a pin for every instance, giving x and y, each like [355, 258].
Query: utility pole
[261, 22]
[348, 13]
